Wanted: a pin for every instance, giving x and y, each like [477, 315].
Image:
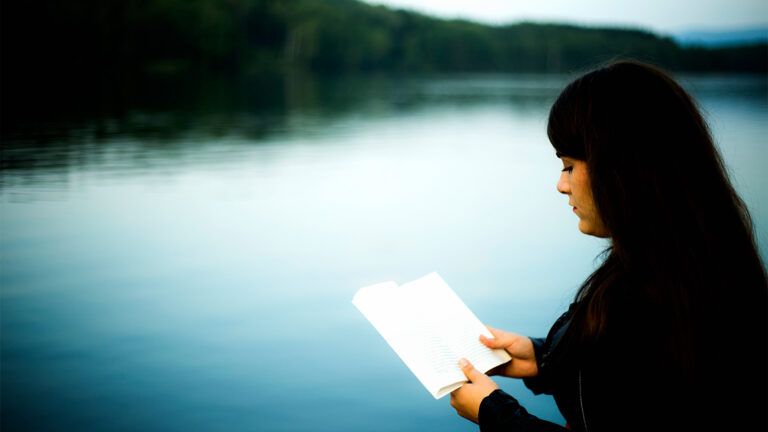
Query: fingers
[457, 403]
[500, 338]
[470, 372]
[490, 343]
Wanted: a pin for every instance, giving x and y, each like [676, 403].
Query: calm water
[185, 261]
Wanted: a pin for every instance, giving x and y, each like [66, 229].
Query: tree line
[327, 36]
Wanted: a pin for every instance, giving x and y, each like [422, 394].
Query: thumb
[499, 339]
[469, 371]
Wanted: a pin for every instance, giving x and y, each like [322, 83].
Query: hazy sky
[666, 16]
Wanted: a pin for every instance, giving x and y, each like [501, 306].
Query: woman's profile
[670, 331]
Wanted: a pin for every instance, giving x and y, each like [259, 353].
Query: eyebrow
[558, 154]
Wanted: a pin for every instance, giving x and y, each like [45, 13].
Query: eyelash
[568, 169]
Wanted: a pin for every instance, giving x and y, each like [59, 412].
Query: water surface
[185, 259]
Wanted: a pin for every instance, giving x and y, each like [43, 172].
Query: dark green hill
[253, 36]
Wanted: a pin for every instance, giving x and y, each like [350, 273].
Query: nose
[563, 184]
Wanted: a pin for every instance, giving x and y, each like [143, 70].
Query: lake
[182, 256]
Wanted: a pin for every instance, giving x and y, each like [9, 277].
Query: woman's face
[574, 182]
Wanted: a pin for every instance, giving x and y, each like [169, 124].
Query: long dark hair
[681, 238]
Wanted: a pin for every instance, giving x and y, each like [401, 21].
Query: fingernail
[463, 362]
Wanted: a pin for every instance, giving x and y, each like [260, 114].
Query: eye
[567, 169]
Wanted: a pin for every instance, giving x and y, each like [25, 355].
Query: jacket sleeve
[501, 412]
[544, 382]
[541, 383]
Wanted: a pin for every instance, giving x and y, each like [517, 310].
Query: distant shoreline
[44, 39]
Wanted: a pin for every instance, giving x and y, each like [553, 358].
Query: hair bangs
[565, 127]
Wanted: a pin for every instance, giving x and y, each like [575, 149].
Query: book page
[430, 328]
[398, 322]
[455, 325]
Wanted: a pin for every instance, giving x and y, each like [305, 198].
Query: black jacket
[627, 382]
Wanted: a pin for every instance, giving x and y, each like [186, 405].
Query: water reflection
[204, 112]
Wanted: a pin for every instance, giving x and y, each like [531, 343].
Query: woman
[669, 333]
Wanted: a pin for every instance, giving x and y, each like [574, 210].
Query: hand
[523, 363]
[466, 399]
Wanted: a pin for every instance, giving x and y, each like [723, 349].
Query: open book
[430, 328]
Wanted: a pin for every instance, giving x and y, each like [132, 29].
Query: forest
[247, 37]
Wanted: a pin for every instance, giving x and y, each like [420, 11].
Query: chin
[589, 229]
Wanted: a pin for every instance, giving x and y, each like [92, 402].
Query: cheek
[580, 185]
